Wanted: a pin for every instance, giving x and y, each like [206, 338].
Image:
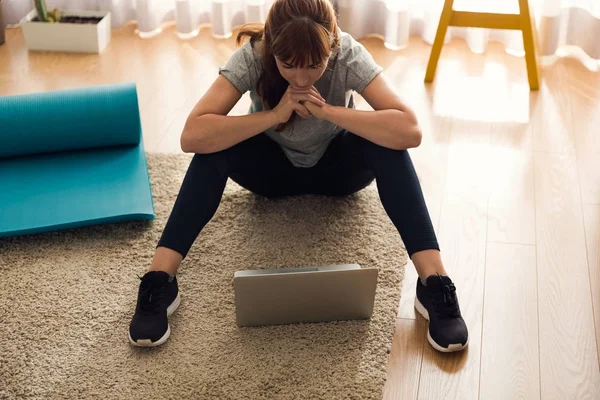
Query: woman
[301, 136]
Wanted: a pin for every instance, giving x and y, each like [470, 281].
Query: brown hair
[301, 32]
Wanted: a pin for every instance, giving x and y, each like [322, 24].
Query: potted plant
[66, 30]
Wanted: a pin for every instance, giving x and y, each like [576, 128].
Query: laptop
[305, 294]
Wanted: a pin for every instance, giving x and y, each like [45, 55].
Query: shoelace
[151, 296]
[445, 302]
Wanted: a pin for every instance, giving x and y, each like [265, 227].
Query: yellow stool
[522, 21]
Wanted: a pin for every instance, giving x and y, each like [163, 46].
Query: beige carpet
[67, 298]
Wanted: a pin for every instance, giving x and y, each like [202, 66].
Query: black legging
[349, 164]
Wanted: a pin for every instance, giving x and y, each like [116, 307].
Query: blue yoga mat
[72, 158]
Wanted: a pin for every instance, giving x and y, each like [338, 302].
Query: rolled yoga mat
[72, 158]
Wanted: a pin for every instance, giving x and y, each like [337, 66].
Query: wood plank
[568, 352]
[584, 90]
[511, 208]
[463, 228]
[511, 211]
[591, 218]
[459, 94]
[405, 360]
[405, 70]
[551, 109]
[510, 363]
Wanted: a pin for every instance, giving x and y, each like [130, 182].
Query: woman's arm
[210, 133]
[393, 124]
[208, 129]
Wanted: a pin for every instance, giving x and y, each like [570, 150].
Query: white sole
[451, 348]
[147, 342]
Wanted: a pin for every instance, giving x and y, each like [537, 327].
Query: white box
[70, 37]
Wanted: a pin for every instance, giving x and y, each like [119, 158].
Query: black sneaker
[437, 303]
[158, 298]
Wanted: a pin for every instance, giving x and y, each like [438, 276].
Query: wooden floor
[511, 178]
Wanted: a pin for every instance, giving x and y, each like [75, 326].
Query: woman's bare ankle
[166, 260]
[428, 262]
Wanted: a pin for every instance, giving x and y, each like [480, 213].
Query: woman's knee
[220, 160]
[376, 155]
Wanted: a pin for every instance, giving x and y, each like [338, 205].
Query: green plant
[44, 15]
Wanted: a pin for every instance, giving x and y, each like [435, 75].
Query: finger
[312, 90]
[303, 114]
[307, 97]
[303, 111]
[298, 97]
[318, 100]
[316, 93]
[312, 108]
[300, 91]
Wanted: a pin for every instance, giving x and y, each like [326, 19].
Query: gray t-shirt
[351, 68]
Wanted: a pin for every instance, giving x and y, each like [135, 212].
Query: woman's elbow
[191, 140]
[411, 134]
[417, 136]
[185, 143]
[415, 129]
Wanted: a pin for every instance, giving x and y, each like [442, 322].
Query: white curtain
[559, 22]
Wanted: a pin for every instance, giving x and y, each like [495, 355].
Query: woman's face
[302, 78]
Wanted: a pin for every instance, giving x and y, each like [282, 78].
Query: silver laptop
[308, 294]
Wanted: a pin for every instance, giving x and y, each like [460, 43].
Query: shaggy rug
[68, 297]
